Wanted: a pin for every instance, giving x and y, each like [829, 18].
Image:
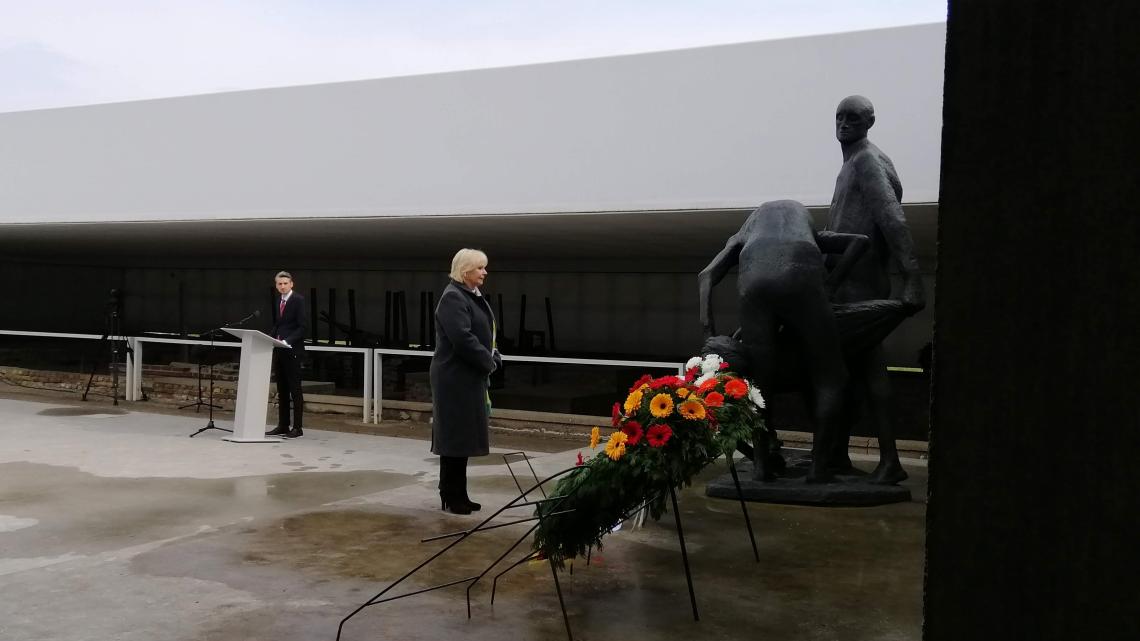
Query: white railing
[372, 396]
[366, 384]
[134, 382]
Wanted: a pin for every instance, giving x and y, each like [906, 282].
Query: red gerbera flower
[691, 373]
[641, 381]
[658, 435]
[633, 432]
[714, 399]
[724, 365]
[736, 388]
[580, 460]
[708, 385]
[667, 381]
[616, 414]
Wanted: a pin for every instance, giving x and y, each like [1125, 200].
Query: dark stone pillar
[1032, 521]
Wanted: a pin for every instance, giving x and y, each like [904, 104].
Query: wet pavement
[115, 525]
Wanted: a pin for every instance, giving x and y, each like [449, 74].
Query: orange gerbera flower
[692, 409]
[682, 392]
[633, 402]
[615, 447]
[661, 405]
[736, 388]
[595, 437]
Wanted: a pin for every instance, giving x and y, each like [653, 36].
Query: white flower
[711, 364]
[755, 396]
[692, 362]
[703, 378]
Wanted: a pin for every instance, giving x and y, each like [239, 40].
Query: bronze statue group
[816, 305]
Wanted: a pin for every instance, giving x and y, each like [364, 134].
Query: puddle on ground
[374, 545]
[80, 411]
[854, 553]
[854, 574]
[82, 513]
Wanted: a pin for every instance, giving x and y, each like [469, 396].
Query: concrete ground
[116, 526]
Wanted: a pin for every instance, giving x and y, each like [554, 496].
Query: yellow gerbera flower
[661, 405]
[692, 409]
[615, 447]
[595, 437]
[683, 392]
[633, 402]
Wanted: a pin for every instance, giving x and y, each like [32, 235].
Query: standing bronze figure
[868, 201]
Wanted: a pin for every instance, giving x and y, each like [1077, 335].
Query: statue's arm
[851, 246]
[888, 215]
[713, 274]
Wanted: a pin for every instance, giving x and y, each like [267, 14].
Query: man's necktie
[280, 313]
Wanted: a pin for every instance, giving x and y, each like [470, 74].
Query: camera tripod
[110, 340]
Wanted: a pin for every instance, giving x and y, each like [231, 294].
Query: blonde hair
[465, 260]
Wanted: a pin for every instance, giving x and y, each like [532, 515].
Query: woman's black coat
[464, 359]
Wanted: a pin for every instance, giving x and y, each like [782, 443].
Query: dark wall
[1033, 483]
[46, 297]
[652, 314]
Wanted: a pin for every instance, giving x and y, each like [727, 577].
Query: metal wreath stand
[522, 501]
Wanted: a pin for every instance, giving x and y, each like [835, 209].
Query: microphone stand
[210, 357]
[199, 403]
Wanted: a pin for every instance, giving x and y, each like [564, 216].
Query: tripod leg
[94, 366]
[89, 380]
[114, 372]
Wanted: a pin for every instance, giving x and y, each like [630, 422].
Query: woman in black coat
[465, 356]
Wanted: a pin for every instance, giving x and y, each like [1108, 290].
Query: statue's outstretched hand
[913, 295]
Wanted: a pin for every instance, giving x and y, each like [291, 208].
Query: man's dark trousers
[287, 368]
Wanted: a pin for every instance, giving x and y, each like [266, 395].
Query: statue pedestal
[846, 491]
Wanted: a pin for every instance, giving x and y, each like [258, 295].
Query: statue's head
[853, 117]
[735, 353]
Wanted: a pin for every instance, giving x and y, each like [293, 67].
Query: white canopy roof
[709, 128]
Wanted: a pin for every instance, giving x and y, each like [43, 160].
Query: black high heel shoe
[475, 507]
[455, 507]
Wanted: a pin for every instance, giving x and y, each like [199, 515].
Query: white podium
[253, 386]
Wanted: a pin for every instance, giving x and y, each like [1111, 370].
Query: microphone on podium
[256, 313]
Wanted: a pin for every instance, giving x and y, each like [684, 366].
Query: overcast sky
[57, 53]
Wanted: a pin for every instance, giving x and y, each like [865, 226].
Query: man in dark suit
[288, 325]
